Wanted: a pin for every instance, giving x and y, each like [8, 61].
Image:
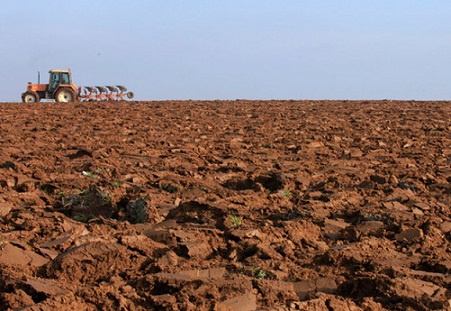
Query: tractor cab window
[54, 80]
[64, 78]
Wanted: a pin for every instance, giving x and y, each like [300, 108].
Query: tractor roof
[59, 70]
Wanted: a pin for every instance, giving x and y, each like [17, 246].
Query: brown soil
[225, 205]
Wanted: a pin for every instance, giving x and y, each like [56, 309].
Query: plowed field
[225, 205]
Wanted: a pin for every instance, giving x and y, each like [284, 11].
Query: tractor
[60, 87]
[63, 90]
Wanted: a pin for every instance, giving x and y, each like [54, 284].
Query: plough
[103, 93]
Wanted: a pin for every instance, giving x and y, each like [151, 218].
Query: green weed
[286, 193]
[169, 188]
[258, 273]
[137, 211]
[234, 220]
[90, 174]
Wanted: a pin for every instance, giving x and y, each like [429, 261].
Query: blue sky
[256, 49]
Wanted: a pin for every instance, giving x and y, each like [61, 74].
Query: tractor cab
[57, 78]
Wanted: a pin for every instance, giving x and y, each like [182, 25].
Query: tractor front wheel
[30, 97]
[65, 96]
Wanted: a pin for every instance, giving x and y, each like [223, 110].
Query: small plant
[90, 174]
[406, 186]
[234, 220]
[89, 203]
[269, 146]
[285, 193]
[295, 213]
[116, 184]
[106, 200]
[258, 273]
[169, 188]
[371, 217]
[386, 219]
[137, 211]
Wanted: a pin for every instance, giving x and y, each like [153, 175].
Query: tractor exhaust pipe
[39, 77]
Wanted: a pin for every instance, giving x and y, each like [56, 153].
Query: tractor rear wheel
[65, 96]
[30, 97]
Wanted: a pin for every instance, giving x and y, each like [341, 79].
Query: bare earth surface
[225, 205]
